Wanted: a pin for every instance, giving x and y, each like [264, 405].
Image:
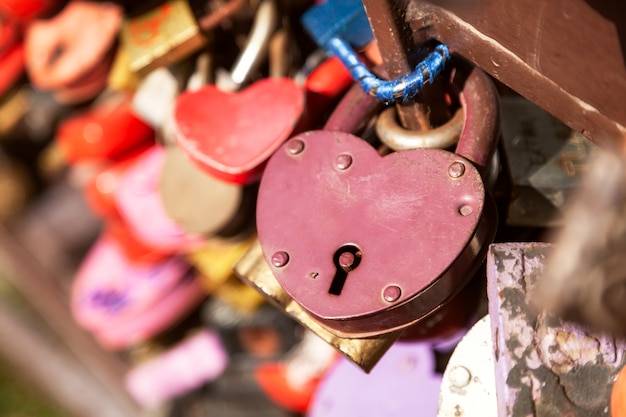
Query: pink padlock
[403, 383]
[173, 307]
[139, 202]
[195, 361]
[109, 289]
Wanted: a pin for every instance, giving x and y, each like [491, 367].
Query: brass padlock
[161, 36]
[364, 352]
[354, 233]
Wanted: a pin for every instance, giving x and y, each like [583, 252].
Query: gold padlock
[121, 77]
[216, 258]
[215, 262]
[364, 352]
[161, 36]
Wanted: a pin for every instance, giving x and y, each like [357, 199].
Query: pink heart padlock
[231, 135]
[139, 202]
[123, 303]
[368, 244]
[172, 308]
[108, 287]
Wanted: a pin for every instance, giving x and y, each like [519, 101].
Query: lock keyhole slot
[347, 258]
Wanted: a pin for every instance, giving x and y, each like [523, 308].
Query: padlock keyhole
[345, 259]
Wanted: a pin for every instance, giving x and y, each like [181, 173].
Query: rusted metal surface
[544, 366]
[567, 56]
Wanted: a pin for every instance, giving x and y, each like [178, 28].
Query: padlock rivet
[343, 161]
[456, 169]
[465, 210]
[392, 293]
[280, 259]
[295, 146]
[460, 376]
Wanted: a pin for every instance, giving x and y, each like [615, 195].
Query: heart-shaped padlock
[230, 135]
[368, 244]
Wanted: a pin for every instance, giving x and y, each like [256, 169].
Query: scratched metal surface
[567, 56]
[545, 367]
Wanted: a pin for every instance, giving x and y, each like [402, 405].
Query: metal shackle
[476, 124]
[397, 138]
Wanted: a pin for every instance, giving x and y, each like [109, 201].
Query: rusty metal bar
[397, 47]
[566, 56]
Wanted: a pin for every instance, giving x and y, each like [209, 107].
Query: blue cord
[403, 88]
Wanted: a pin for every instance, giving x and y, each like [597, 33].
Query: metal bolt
[460, 376]
[392, 293]
[295, 146]
[343, 161]
[465, 210]
[456, 169]
[280, 259]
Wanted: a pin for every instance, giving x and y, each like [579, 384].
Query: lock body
[161, 36]
[418, 218]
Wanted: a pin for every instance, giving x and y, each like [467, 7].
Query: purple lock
[198, 359]
[404, 383]
[124, 302]
[139, 201]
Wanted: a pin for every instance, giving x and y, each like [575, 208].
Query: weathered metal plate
[567, 56]
[544, 366]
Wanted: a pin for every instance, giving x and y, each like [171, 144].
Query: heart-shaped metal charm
[231, 135]
[365, 243]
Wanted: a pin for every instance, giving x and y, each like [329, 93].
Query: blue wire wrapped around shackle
[401, 89]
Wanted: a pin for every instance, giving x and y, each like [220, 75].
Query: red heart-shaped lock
[231, 135]
[408, 227]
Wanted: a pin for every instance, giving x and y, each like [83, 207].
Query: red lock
[104, 132]
[11, 66]
[323, 88]
[231, 135]
[25, 11]
[15, 15]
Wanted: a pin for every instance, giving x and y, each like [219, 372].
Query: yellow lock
[364, 352]
[121, 78]
[215, 262]
[216, 259]
[161, 36]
